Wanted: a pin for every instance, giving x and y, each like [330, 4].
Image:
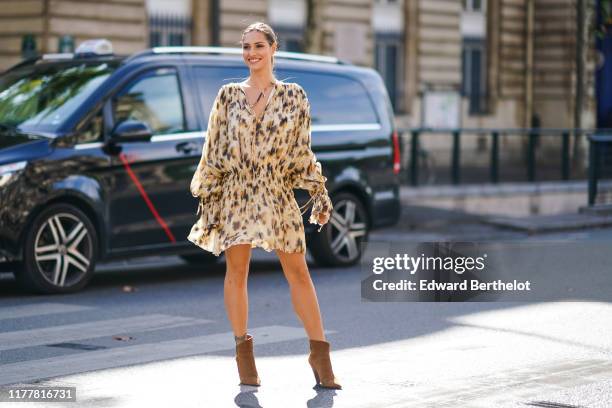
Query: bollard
[565, 166]
[592, 171]
[495, 157]
[531, 176]
[414, 158]
[456, 176]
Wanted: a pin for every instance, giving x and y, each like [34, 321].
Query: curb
[546, 223]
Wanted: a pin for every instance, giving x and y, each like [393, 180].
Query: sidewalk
[547, 223]
[558, 206]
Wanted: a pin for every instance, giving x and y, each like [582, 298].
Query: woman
[257, 150]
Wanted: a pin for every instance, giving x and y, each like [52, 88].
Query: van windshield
[39, 98]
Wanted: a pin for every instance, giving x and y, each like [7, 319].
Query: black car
[97, 152]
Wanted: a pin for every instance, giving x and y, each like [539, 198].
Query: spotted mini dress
[248, 169]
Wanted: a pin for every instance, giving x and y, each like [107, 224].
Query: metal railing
[600, 169]
[533, 136]
[599, 159]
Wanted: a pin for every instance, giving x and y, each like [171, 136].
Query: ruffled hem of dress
[211, 243]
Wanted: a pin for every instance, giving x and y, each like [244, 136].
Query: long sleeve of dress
[305, 170]
[207, 181]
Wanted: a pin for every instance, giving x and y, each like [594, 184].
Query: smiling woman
[257, 150]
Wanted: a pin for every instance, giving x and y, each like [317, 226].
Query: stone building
[43, 23]
[466, 63]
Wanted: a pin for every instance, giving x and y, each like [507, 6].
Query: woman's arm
[207, 179]
[305, 171]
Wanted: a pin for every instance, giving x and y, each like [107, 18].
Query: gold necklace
[261, 93]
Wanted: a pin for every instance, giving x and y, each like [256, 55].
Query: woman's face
[256, 51]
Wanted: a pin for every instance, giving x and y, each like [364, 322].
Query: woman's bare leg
[303, 294]
[235, 293]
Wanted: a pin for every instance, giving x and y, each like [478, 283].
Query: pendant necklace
[261, 93]
[252, 108]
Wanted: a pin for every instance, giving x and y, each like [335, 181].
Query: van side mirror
[132, 130]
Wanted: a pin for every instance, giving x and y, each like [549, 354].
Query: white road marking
[91, 329]
[39, 309]
[138, 354]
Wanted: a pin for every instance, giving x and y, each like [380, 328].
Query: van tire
[355, 229]
[60, 238]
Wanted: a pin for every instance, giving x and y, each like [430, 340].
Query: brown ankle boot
[246, 362]
[321, 364]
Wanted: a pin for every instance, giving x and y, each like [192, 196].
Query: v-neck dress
[249, 167]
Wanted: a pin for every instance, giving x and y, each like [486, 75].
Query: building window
[472, 5]
[388, 62]
[474, 75]
[294, 45]
[290, 39]
[169, 30]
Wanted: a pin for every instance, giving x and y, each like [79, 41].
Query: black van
[97, 152]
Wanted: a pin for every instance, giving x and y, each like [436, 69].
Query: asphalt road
[175, 346]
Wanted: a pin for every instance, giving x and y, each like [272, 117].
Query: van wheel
[207, 258]
[59, 252]
[339, 242]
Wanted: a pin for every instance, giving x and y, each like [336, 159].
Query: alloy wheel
[340, 241]
[63, 249]
[347, 229]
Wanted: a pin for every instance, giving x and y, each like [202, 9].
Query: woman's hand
[323, 218]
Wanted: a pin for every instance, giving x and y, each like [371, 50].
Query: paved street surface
[181, 350]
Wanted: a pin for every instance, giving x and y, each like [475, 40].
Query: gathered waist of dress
[259, 174]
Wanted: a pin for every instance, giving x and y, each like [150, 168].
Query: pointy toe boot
[245, 360]
[321, 365]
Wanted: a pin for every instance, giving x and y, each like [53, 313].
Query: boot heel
[321, 365]
[245, 360]
[316, 376]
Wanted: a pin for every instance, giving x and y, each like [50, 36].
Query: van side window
[334, 99]
[154, 98]
[92, 129]
[208, 81]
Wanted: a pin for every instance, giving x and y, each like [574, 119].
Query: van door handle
[187, 147]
